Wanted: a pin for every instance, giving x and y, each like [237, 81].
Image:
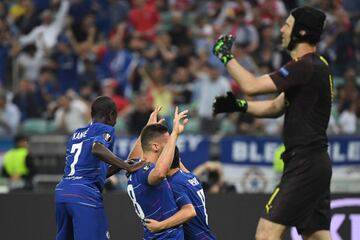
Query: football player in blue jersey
[148, 187]
[187, 190]
[80, 213]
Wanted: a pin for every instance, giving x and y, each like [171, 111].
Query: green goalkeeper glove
[228, 103]
[222, 48]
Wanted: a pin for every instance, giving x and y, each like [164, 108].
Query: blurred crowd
[56, 56]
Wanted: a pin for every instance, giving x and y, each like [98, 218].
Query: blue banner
[194, 149]
[259, 150]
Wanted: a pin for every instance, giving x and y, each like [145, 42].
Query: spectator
[45, 88]
[45, 35]
[109, 89]
[18, 165]
[144, 18]
[182, 86]
[71, 114]
[25, 16]
[117, 61]
[66, 60]
[30, 62]
[5, 51]
[209, 84]
[9, 117]
[89, 77]
[211, 176]
[139, 115]
[246, 34]
[158, 89]
[26, 101]
[347, 119]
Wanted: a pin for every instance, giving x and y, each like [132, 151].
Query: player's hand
[180, 120]
[153, 225]
[228, 103]
[222, 48]
[153, 116]
[136, 166]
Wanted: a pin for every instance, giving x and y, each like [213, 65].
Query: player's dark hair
[176, 160]
[309, 19]
[149, 133]
[101, 107]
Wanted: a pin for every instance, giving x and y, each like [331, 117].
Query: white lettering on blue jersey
[79, 135]
[193, 181]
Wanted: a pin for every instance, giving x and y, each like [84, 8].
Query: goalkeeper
[302, 198]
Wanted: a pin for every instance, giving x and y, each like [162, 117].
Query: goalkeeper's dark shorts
[302, 199]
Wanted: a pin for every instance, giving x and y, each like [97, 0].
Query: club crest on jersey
[284, 72]
[107, 137]
[146, 167]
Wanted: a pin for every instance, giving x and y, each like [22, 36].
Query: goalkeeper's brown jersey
[308, 91]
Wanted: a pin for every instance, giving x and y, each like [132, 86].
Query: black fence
[231, 216]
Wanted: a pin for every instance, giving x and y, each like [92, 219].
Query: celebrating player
[302, 199]
[187, 191]
[148, 187]
[80, 213]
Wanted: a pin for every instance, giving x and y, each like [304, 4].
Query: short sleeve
[180, 195]
[293, 74]
[105, 135]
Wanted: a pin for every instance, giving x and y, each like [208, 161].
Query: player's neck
[302, 49]
[150, 157]
[173, 171]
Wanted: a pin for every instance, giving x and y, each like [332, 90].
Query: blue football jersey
[84, 173]
[155, 202]
[187, 189]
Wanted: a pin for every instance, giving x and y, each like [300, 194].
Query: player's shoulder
[80, 134]
[144, 170]
[181, 177]
[104, 129]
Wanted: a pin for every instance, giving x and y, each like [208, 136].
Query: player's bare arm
[114, 169]
[186, 213]
[165, 159]
[267, 109]
[250, 84]
[270, 108]
[107, 156]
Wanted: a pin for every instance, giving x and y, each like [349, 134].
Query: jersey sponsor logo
[193, 181]
[107, 137]
[284, 72]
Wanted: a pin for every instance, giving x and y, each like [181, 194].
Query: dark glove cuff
[226, 58]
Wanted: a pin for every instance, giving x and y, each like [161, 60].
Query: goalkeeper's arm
[270, 109]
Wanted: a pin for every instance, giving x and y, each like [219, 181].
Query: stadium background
[56, 56]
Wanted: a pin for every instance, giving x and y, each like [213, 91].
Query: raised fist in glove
[222, 48]
[228, 103]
